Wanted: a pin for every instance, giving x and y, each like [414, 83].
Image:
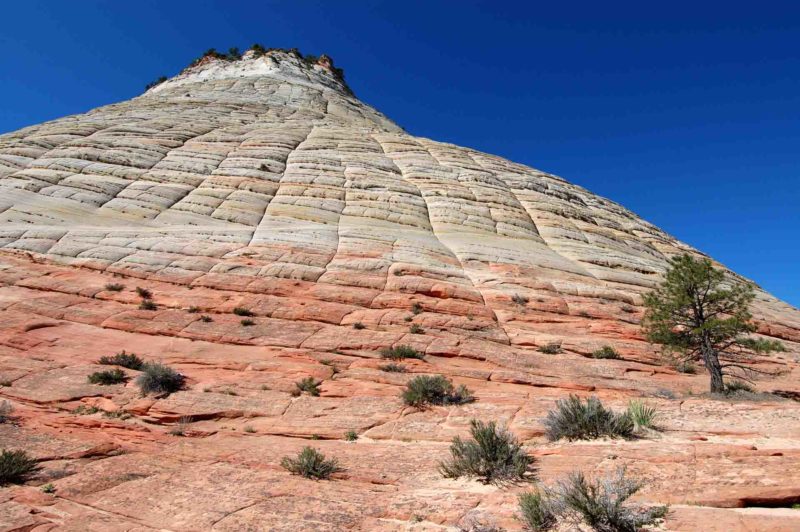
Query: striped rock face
[264, 184]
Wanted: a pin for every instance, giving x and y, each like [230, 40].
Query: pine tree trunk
[711, 360]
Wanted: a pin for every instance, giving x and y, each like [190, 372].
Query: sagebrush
[435, 390]
[574, 419]
[310, 463]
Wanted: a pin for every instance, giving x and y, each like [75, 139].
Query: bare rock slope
[263, 184]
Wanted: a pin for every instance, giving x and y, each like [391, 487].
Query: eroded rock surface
[264, 184]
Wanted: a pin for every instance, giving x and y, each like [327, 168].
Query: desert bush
[115, 287]
[416, 329]
[358, 325]
[308, 385]
[158, 378]
[5, 411]
[400, 352]
[550, 349]
[642, 414]
[572, 419]
[147, 304]
[393, 368]
[536, 510]
[126, 360]
[182, 426]
[600, 504]
[16, 467]
[247, 322]
[241, 311]
[193, 309]
[311, 463]
[735, 387]
[492, 456]
[519, 299]
[350, 435]
[107, 377]
[48, 488]
[158, 81]
[206, 319]
[416, 308]
[606, 352]
[144, 293]
[435, 390]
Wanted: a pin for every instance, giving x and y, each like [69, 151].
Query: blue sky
[686, 113]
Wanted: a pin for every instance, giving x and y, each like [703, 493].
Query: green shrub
[311, 463]
[193, 309]
[16, 467]
[416, 308]
[572, 419]
[358, 325]
[606, 352]
[5, 411]
[537, 512]
[49, 488]
[160, 379]
[155, 83]
[550, 349]
[393, 368]
[308, 385]
[492, 456]
[182, 426]
[435, 390]
[107, 377]
[735, 387]
[350, 435]
[416, 329]
[642, 414]
[400, 352]
[115, 287]
[147, 304]
[144, 293]
[126, 360]
[247, 323]
[519, 299]
[241, 311]
[206, 319]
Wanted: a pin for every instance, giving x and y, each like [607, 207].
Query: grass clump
[536, 511]
[115, 287]
[416, 308]
[435, 390]
[358, 325]
[206, 319]
[308, 385]
[550, 349]
[126, 360]
[350, 435]
[49, 488]
[241, 311]
[573, 419]
[734, 387]
[148, 304]
[160, 379]
[107, 377]
[194, 309]
[311, 463]
[247, 323]
[393, 368]
[606, 352]
[182, 427]
[492, 456]
[401, 352]
[144, 293]
[16, 467]
[416, 329]
[642, 414]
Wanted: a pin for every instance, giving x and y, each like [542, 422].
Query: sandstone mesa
[265, 184]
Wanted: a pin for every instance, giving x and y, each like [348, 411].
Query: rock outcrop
[264, 184]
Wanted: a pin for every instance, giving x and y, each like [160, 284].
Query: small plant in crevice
[308, 385]
[16, 467]
[574, 419]
[84, 410]
[115, 287]
[393, 368]
[159, 379]
[416, 308]
[520, 299]
[350, 435]
[408, 318]
[206, 319]
[550, 349]
[310, 463]
[107, 377]
[416, 329]
[193, 309]
[182, 426]
[249, 429]
[642, 414]
[126, 360]
[536, 510]
[247, 322]
[401, 352]
[5, 411]
[492, 456]
[48, 488]
[241, 311]
[358, 325]
[148, 304]
[144, 293]
[606, 352]
[435, 390]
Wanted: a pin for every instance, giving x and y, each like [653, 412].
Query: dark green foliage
[241, 311]
[572, 419]
[358, 325]
[16, 467]
[193, 310]
[258, 50]
[126, 360]
[435, 390]
[393, 368]
[550, 349]
[519, 299]
[401, 352]
[311, 463]
[247, 323]
[233, 54]
[696, 313]
[155, 83]
[536, 510]
[160, 379]
[206, 319]
[492, 456]
[308, 385]
[416, 329]
[416, 308]
[107, 377]
[115, 287]
[144, 293]
[606, 352]
[350, 435]
[147, 304]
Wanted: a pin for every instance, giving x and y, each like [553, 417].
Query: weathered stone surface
[265, 185]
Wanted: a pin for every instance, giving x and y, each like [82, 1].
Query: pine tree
[697, 315]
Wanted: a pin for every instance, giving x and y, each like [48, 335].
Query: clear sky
[686, 113]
